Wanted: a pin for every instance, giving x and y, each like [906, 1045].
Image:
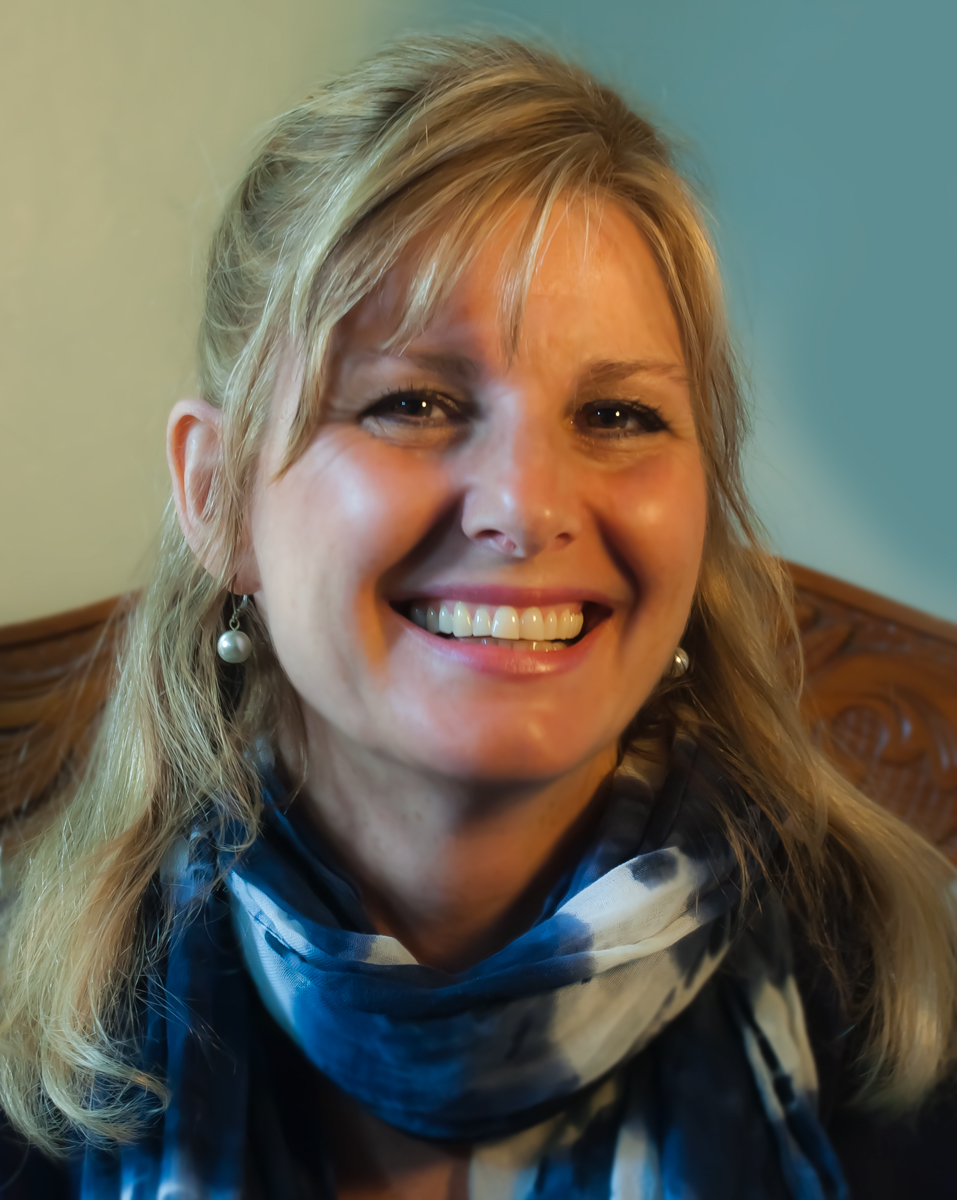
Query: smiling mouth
[540, 630]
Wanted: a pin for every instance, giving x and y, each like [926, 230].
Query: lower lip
[497, 660]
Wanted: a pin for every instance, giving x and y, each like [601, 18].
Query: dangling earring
[681, 662]
[234, 646]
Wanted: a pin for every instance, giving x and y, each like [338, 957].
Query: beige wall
[122, 124]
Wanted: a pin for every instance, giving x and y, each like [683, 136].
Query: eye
[415, 415]
[618, 419]
[414, 405]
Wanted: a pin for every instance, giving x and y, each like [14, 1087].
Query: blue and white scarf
[643, 1040]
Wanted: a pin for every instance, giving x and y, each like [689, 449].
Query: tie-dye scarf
[642, 1041]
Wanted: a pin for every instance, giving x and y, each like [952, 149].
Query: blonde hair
[425, 149]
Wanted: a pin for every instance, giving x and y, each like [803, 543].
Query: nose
[520, 500]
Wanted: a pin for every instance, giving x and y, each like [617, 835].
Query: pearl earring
[681, 661]
[234, 646]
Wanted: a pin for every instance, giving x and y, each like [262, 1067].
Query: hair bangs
[432, 233]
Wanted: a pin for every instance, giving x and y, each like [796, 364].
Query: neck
[454, 870]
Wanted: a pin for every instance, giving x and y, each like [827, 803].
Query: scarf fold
[643, 1039]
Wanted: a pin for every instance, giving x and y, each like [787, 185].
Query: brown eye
[415, 416]
[416, 406]
[619, 418]
[405, 404]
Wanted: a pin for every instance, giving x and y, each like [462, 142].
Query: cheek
[656, 520]
[326, 532]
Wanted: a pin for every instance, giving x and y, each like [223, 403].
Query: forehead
[589, 284]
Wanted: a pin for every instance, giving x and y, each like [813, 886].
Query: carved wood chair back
[880, 693]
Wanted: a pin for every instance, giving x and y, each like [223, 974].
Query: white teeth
[532, 625]
[505, 623]
[569, 624]
[445, 618]
[539, 647]
[461, 621]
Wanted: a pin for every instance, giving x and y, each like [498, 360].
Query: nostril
[501, 541]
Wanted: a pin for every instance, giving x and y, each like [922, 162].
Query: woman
[452, 830]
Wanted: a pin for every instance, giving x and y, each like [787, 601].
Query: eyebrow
[454, 366]
[605, 372]
[601, 373]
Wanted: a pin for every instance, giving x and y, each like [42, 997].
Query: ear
[193, 452]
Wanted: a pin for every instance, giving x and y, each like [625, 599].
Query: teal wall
[823, 131]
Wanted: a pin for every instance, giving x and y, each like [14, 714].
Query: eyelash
[648, 417]
[379, 408]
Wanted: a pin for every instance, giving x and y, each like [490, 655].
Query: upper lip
[517, 597]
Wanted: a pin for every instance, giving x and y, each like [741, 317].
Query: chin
[501, 751]
[507, 764]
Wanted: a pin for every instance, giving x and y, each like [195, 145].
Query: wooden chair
[880, 695]
[55, 675]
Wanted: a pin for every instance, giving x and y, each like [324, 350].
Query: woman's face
[566, 476]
